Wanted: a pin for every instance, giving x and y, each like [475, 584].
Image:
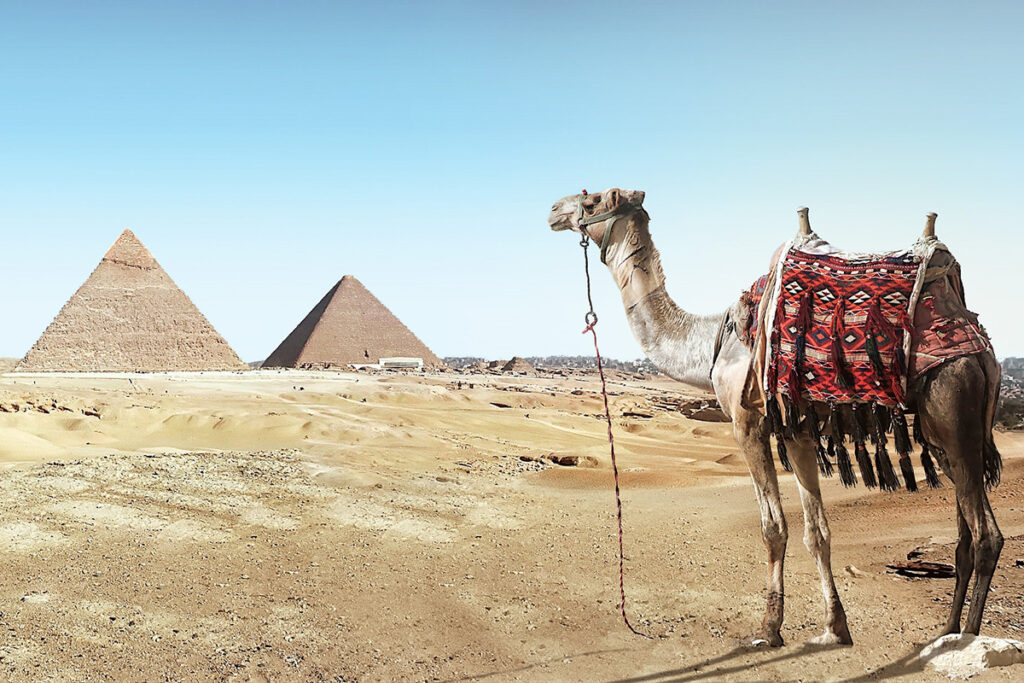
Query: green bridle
[608, 216]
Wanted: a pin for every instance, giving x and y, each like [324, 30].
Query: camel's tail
[991, 459]
[993, 463]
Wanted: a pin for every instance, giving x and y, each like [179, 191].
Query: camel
[954, 405]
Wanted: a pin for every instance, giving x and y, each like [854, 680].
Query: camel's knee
[776, 535]
[987, 546]
[964, 553]
[817, 538]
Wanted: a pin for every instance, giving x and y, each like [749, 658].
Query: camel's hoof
[765, 640]
[832, 638]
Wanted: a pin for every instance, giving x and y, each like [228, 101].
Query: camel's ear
[613, 199]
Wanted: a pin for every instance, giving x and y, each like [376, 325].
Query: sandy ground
[321, 526]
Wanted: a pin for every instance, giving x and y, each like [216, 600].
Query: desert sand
[286, 525]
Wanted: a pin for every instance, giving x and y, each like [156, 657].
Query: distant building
[1014, 367]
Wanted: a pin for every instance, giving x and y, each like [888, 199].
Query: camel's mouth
[564, 212]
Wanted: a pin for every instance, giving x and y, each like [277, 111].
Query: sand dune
[284, 525]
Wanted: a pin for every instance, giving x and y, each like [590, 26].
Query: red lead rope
[591, 319]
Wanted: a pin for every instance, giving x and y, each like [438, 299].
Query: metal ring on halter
[590, 318]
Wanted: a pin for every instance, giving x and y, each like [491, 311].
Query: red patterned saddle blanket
[855, 328]
[837, 337]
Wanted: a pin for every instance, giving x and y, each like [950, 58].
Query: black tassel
[836, 448]
[835, 423]
[887, 480]
[814, 431]
[918, 433]
[792, 418]
[780, 446]
[907, 468]
[773, 416]
[846, 474]
[871, 346]
[886, 474]
[867, 473]
[843, 376]
[901, 438]
[930, 475]
[900, 434]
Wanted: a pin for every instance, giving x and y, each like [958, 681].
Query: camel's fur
[955, 403]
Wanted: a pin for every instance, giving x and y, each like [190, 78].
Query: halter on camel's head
[593, 215]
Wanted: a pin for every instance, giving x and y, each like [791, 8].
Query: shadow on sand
[718, 667]
[527, 667]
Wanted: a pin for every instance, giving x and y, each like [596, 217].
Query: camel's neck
[680, 344]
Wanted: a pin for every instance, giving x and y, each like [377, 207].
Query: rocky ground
[322, 526]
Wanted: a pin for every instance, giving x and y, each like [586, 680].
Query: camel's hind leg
[955, 417]
[964, 569]
[818, 540]
[753, 440]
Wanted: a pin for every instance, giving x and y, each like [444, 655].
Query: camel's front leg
[754, 444]
[817, 538]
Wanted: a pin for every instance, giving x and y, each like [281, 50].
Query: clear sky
[263, 150]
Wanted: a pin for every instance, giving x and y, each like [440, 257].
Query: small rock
[573, 460]
[709, 414]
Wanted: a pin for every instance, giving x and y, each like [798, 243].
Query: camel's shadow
[717, 667]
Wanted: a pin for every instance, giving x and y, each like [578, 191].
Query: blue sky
[263, 150]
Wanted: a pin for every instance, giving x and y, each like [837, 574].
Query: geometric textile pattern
[840, 327]
[129, 316]
[348, 326]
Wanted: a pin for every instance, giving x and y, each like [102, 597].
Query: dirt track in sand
[304, 526]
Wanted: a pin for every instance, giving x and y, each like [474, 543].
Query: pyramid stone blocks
[349, 326]
[129, 316]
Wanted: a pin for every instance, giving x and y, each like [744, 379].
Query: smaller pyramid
[517, 364]
[349, 326]
[129, 316]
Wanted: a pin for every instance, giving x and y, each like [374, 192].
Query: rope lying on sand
[591, 320]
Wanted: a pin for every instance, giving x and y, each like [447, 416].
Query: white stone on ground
[961, 656]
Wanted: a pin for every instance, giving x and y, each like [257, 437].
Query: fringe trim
[866, 422]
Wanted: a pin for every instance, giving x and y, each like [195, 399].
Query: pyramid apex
[128, 250]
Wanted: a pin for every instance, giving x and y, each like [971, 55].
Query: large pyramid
[348, 326]
[129, 316]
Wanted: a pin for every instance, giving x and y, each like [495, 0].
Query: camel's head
[565, 214]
